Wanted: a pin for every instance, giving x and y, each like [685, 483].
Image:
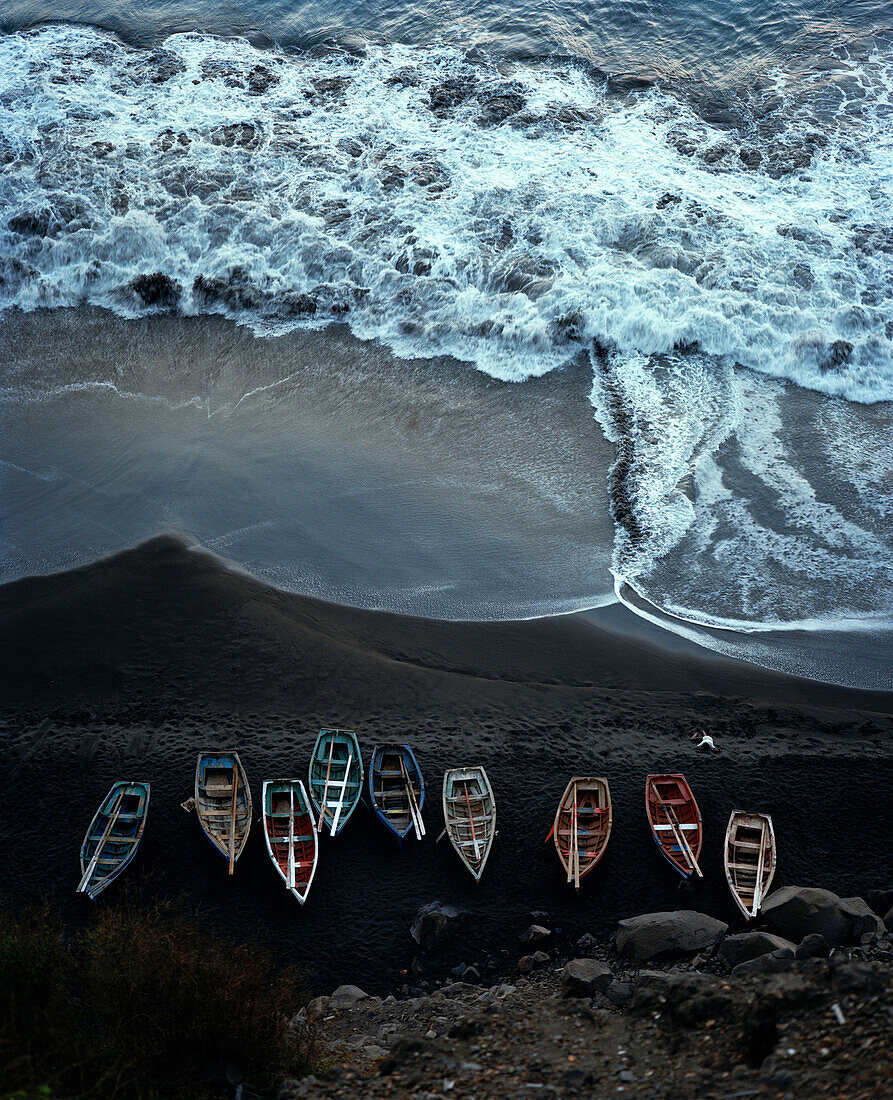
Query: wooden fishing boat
[114, 836]
[223, 803]
[749, 858]
[675, 822]
[469, 811]
[397, 789]
[582, 825]
[336, 778]
[290, 833]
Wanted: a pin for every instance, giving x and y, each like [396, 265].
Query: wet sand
[133, 664]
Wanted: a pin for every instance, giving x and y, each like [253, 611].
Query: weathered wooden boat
[675, 822]
[223, 803]
[114, 836]
[290, 833]
[582, 825]
[749, 858]
[336, 778]
[469, 811]
[397, 789]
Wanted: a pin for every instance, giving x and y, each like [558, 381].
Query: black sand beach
[132, 665]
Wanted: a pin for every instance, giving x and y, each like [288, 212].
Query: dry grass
[141, 1005]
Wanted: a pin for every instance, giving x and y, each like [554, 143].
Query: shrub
[140, 1005]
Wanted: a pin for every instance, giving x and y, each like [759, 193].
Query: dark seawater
[688, 204]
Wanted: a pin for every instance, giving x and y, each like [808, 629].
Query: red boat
[675, 821]
[290, 832]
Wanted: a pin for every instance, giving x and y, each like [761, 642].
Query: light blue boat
[336, 778]
[114, 836]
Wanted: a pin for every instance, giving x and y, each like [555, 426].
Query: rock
[628, 82]
[851, 976]
[585, 977]
[813, 946]
[536, 933]
[797, 911]
[750, 945]
[498, 108]
[775, 962]
[527, 963]
[686, 998]
[345, 996]
[433, 925]
[471, 975]
[586, 942]
[156, 290]
[619, 993]
[654, 934]
[865, 918]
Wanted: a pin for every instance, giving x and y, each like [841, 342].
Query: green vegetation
[142, 1005]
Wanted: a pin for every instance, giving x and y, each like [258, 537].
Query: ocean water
[689, 203]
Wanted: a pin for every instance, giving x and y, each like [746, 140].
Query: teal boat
[336, 778]
[114, 836]
[223, 803]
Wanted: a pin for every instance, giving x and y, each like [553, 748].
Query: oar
[678, 833]
[232, 828]
[576, 845]
[758, 885]
[413, 806]
[343, 789]
[291, 836]
[572, 843]
[113, 817]
[474, 839]
[325, 790]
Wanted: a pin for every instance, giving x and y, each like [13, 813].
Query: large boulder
[750, 945]
[585, 977]
[433, 925]
[345, 996]
[774, 962]
[655, 934]
[798, 911]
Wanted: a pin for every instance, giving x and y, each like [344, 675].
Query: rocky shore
[672, 1006]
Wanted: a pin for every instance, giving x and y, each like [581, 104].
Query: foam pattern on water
[511, 214]
[445, 206]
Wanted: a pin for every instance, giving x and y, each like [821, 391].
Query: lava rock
[654, 934]
[433, 925]
[813, 946]
[536, 933]
[796, 911]
[619, 993]
[345, 996]
[750, 945]
[775, 962]
[585, 977]
[156, 290]
[528, 963]
[498, 108]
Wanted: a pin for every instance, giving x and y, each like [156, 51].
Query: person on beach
[706, 744]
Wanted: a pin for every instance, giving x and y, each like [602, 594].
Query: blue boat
[336, 778]
[397, 789]
[223, 803]
[114, 836]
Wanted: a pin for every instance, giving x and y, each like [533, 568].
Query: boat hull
[469, 811]
[113, 837]
[675, 821]
[335, 778]
[223, 803]
[392, 769]
[290, 834]
[750, 858]
[582, 826]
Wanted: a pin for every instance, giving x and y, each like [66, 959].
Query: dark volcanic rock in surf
[498, 108]
[443, 97]
[235, 291]
[156, 289]
[242, 134]
[628, 82]
[31, 223]
[654, 934]
[159, 67]
[327, 87]
[260, 79]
